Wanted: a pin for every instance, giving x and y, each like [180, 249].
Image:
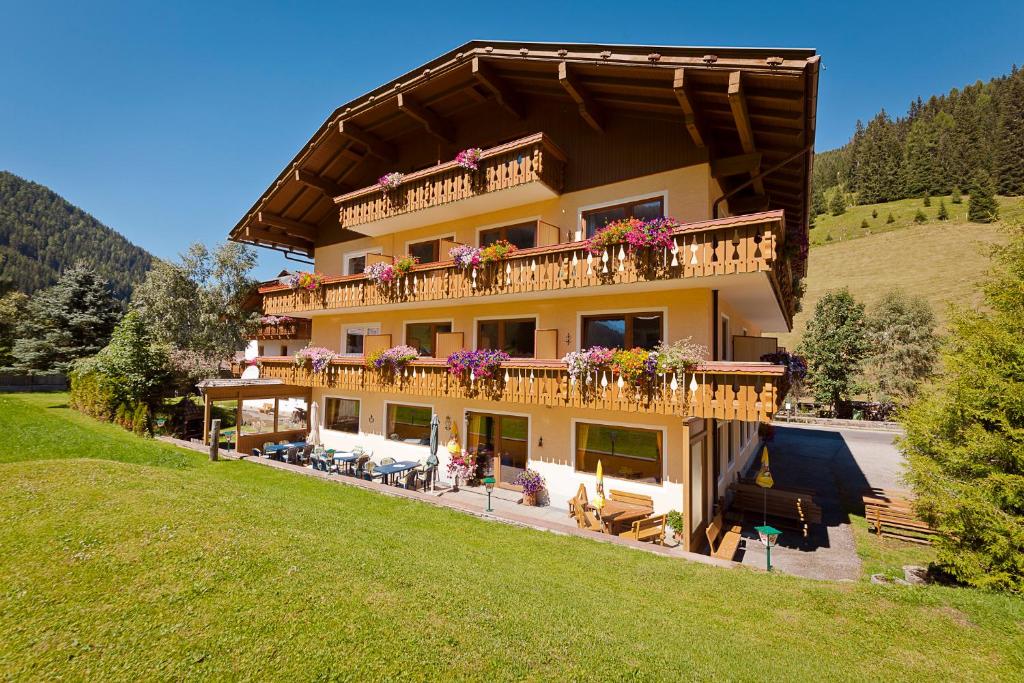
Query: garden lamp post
[768, 535]
[489, 485]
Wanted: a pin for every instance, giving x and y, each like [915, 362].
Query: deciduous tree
[903, 347]
[834, 345]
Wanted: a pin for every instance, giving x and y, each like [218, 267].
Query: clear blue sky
[167, 120]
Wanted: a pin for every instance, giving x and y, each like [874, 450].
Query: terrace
[751, 244]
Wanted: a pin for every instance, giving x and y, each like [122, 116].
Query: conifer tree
[837, 205]
[891, 218]
[1010, 138]
[920, 216]
[982, 207]
[965, 437]
[71, 320]
[943, 213]
[957, 195]
[864, 225]
[928, 199]
[874, 213]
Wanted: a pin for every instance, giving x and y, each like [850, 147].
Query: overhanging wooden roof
[751, 108]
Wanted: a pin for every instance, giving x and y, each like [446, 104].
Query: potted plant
[309, 282]
[390, 181]
[394, 359]
[583, 366]
[497, 251]
[476, 364]
[532, 484]
[674, 519]
[380, 273]
[637, 367]
[469, 159]
[317, 358]
[465, 256]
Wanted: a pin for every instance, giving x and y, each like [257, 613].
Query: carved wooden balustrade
[739, 244]
[533, 159]
[723, 390]
[289, 328]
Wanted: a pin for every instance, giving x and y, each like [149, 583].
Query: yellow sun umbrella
[764, 477]
[598, 501]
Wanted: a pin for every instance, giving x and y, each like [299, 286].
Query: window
[726, 354]
[595, 219]
[514, 337]
[423, 336]
[341, 414]
[624, 452]
[624, 330]
[428, 251]
[259, 351]
[353, 338]
[523, 235]
[355, 262]
[284, 349]
[409, 424]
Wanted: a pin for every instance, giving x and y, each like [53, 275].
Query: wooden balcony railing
[739, 244]
[533, 159]
[723, 390]
[296, 328]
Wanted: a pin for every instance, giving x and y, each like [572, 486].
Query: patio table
[280, 448]
[388, 471]
[617, 513]
[346, 458]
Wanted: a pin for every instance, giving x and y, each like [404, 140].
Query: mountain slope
[41, 234]
[941, 261]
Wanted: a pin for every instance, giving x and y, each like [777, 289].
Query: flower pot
[530, 499]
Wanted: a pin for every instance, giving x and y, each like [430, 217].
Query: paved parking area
[839, 465]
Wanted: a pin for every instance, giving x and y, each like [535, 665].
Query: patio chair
[367, 470]
[267, 445]
[387, 461]
[256, 453]
[304, 456]
[291, 456]
[359, 465]
[581, 498]
[408, 480]
[585, 519]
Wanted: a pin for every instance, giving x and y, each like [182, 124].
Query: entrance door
[503, 438]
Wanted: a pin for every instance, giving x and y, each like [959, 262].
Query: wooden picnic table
[616, 513]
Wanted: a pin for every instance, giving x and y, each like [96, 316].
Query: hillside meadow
[122, 558]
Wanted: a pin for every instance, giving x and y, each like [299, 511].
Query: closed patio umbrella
[435, 442]
[314, 424]
[599, 498]
[765, 481]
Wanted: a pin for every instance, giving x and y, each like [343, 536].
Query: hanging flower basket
[465, 256]
[635, 233]
[680, 356]
[394, 359]
[317, 358]
[498, 251]
[582, 366]
[403, 264]
[469, 159]
[276, 319]
[309, 282]
[390, 181]
[478, 364]
[380, 273]
[637, 367]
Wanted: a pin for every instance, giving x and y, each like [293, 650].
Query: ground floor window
[514, 337]
[624, 452]
[423, 336]
[341, 414]
[409, 424]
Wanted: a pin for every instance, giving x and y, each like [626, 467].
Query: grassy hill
[941, 261]
[42, 234]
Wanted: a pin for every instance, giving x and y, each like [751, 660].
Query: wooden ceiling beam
[377, 147]
[508, 99]
[685, 103]
[742, 117]
[590, 111]
[325, 186]
[737, 165]
[259, 234]
[434, 124]
[305, 231]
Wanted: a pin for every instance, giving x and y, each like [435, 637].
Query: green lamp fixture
[489, 485]
[769, 536]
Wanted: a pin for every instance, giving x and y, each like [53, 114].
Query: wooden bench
[631, 498]
[778, 503]
[891, 513]
[728, 540]
[651, 529]
[585, 518]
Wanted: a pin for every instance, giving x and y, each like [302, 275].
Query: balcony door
[505, 438]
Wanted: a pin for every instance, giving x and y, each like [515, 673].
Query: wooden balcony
[723, 390]
[527, 170]
[296, 328]
[739, 244]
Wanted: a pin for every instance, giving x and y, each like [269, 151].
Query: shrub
[140, 420]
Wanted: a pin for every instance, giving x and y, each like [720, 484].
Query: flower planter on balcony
[527, 170]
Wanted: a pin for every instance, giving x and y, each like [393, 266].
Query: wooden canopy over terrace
[240, 390]
[617, 110]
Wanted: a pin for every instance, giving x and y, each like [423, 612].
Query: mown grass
[122, 558]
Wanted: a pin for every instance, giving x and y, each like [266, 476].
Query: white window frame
[384, 420]
[528, 219]
[580, 315]
[630, 425]
[484, 411]
[444, 236]
[345, 327]
[536, 323]
[353, 254]
[323, 415]
[654, 194]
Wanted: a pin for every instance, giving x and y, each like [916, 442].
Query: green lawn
[127, 559]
